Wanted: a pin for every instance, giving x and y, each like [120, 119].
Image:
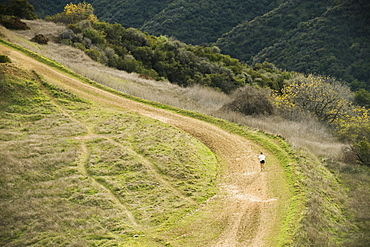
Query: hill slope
[194, 22]
[127, 13]
[324, 37]
[85, 166]
[202, 22]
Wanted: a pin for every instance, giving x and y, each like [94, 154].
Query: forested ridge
[194, 22]
[327, 37]
[323, 37]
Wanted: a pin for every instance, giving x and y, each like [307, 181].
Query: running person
[262, 159]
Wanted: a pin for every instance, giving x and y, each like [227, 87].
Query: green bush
[357, 132]
[95, 36]
[4, 59]
[94, 54]
[362, 97]
[13, 22]
[40, 39]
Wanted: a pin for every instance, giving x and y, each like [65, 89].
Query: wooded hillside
[324, 37]
[327, 37]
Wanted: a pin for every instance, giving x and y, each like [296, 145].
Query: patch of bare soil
[247, 208]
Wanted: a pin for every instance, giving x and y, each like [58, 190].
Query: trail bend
[247, 208]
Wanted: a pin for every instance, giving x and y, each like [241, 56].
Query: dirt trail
[247, 207]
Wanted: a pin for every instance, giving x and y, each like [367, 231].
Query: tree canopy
[74, 13]
[19, 8]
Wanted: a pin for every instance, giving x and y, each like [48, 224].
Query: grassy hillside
[76, 173]
[252, 36]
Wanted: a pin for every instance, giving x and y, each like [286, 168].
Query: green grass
[48, 199]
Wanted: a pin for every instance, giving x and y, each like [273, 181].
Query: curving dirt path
[246, 206]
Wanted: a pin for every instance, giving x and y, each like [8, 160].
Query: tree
[19, 8]
[355, 130]
[323, 97]
[74, 13]
[362, 97]
[95, 36]
[79, 12]
[330, 102]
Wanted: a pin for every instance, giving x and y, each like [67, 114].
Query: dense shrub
[362, 97]
[95, 54]
[4, 59]
[252, 101]
[95, 36]
[40, 39]
[13, 22]
[355, 130]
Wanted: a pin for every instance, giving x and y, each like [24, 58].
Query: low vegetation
[40, 39]
[13, 22]
[5, 59]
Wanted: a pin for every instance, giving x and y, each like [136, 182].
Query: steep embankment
[246, 210]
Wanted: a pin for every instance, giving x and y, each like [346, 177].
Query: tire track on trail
[246, 207]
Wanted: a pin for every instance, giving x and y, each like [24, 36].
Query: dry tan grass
[309, 135]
